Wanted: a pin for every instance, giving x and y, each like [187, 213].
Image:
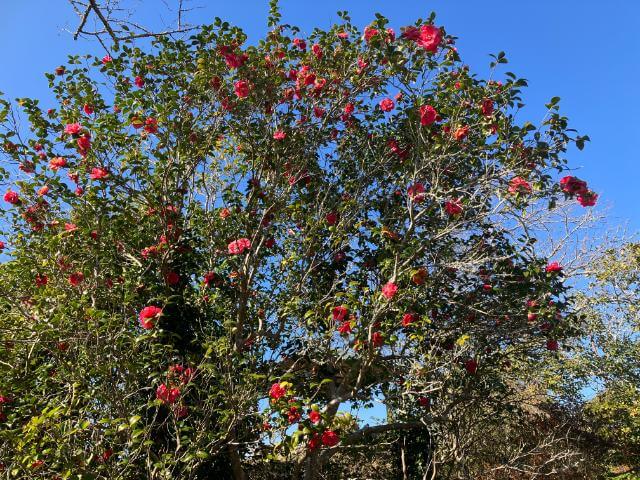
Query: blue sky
[585, 51]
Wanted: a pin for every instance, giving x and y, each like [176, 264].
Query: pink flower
[84, 144]
[279, 135]
[166, 394]
[73, 129]
[519, 185]
[11, 197]
[70, 227]
[148, 316]
[453, 207]
[2, 245]
[317, 51]
[314, 416]
[98, 173]
[573, 185]
[389, 290]
[427, 37]
[139, 81]
[330, 438]
[386, 105]
[277, 391]
[237, 247]
[369, 33]
[56, 163]
[428, 115]
[241, 88]
[106, 59]
[588, 199]
[339, 313]
[300, 43]
[553, 267]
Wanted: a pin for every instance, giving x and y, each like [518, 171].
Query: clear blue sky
[585, 51]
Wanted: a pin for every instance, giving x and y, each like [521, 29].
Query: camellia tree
[216, 254]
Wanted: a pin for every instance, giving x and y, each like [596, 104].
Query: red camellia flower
[424, 401]
[330, 438]
[552, 345]
[84, 144]
[331, 218]
[300, 43]
[553, 267]
[56, 163]
[148, 316]
[293, 415]
[345, 328]
[587, 199]
[460, 133]
[41, 280]
[106, 59]
[72, 129]
[166, 394]
[487, 107]
[151, 125]
[237, 247]
[519, 185]
[317, 51]
[428, 115]
[98, 173]
[139, 81]
[416, 192]
[279, 135]
[88, 109]
[76, 278]
[11, 197]
[377, 339]
[386, 105]
[573, 186]
[277, 391]
[241, 88]
[408, 319]
[106, 455]
[389, 290]
[369, 33]
[471, 366]
[172, 278]
[427, 36]
[314, 416]
[339, 313]
[2, 245]
[453, 207]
